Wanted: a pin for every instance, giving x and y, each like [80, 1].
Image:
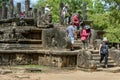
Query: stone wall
[115, 55]
[0, 12]
[54, 58]
[54, 37]
[84, 59]
[17, 59]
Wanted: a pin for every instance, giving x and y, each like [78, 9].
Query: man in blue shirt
[71, 35]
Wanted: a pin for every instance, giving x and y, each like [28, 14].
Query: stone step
[25, 41]
[109, 65]
[78, 41]
[96, 55]
[94, 51]
[109, 61]
[78, 45]
[20, 46]
[29, 41]
[98, 58]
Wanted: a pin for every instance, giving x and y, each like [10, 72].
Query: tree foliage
[113, 30]
[1, 2]
[104, 13]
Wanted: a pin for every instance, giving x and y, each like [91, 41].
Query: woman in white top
[47, 9]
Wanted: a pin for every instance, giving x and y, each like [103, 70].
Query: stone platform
[58, 58]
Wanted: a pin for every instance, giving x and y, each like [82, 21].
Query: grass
[30, 66]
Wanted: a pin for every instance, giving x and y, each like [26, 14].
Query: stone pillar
[35, 16]
[61, 17]
[84, 11]
[27, 6]
[11, 8]
[118, 46]
[4, 11]
[38, 17]
[18, 10]
[42, 11]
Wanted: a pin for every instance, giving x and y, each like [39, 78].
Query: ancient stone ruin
[35, 39]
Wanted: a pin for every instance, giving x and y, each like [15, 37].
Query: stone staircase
[32, 40]
[77, 44]
[96, 58]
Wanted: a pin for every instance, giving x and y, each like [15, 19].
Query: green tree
[1, 2]
[113, 31]
[104, 13]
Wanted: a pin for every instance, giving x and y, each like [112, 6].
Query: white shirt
[47, 10]
[65, 10]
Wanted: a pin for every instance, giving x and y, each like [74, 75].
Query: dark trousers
[102, 56]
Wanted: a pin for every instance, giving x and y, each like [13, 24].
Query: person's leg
[106, 60]
[101, 57]
[83, 44]
[72, 42]
[67, 20]
[86, 44]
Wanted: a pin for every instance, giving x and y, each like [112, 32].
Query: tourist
[103, 51]
[84, 37]
[65, 14]
[71, 35]
[22, 15]
[76, 20]
[88, 30]
[47, 9]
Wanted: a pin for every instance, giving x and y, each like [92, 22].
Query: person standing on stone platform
[84, 37]
[103, 51]
[47, 9]
[22, 15]
[71, 35]
[88, 30]
[65, 14]
[76, 20]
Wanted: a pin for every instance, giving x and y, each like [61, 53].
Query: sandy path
[70, 75]
[80, 75]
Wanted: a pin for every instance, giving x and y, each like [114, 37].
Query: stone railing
[56, 58]
[84, 59]
[115, 55]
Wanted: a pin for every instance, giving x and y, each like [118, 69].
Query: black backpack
[104, 49]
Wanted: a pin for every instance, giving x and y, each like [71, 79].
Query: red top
[22, 14]
[75, 20]
[83, 34]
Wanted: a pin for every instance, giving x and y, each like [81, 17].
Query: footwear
[106, 66]
[72, 49]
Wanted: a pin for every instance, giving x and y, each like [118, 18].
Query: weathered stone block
[53, 38]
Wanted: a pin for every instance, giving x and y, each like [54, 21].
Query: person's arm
[67, 32]
[81, 32]
[100, 48]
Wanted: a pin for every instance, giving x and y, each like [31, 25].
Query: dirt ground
[55, 74]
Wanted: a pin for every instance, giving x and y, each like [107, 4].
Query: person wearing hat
[103, 51]
[71, 35]
[84, 37]
[88, 30]
[47, 9]
[65, 14]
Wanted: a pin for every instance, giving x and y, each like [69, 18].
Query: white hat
[47, 5]
[87, 26]
[66, 4]
[105, 39]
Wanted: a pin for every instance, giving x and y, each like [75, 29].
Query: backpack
[104, 49]
[83, 35]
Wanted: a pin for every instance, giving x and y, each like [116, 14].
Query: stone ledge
[53, 52]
